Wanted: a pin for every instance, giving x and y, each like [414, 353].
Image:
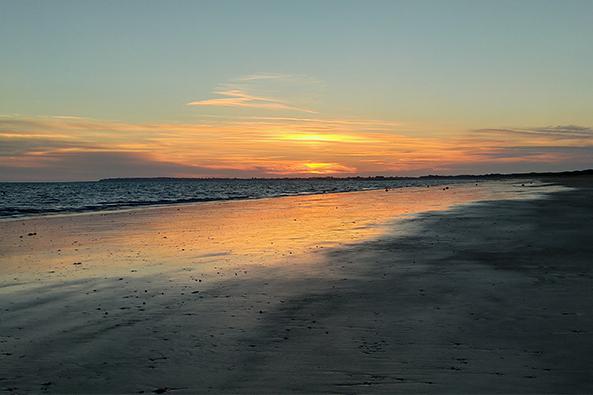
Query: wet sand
[478, 288]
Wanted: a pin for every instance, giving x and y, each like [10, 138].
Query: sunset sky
[95, 89]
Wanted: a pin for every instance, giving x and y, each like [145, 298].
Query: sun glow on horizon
[90, 148]
[326, 168]
[326, 137]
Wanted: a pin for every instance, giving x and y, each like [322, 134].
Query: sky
[97, 89]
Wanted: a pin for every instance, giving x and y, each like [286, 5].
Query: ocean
[25, 199]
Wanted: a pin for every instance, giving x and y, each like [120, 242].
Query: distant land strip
[489, 176]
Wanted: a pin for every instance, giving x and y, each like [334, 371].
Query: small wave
[35, 199]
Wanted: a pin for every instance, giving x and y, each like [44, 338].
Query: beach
[470, 288]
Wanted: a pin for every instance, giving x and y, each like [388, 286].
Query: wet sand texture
[491, 297]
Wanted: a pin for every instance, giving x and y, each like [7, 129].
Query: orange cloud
[327, 168]
[287, 146]
[326, 138]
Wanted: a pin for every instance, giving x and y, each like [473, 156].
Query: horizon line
[588, 171]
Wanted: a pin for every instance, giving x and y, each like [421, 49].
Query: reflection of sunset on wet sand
[258, 232]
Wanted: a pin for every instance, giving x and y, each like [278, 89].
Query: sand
[477, 289]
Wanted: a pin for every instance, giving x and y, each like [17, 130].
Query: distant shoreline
[430, 176]
[486, 176]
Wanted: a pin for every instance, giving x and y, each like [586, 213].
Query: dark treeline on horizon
[430, 176]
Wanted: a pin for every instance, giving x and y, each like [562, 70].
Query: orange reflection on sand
[208, 237]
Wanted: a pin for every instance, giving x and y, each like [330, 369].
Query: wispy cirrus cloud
[263, 91]
[239, 98]
[558, 132]
[265, 76]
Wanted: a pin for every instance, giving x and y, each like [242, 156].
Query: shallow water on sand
[40, 198]
[205, 237]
